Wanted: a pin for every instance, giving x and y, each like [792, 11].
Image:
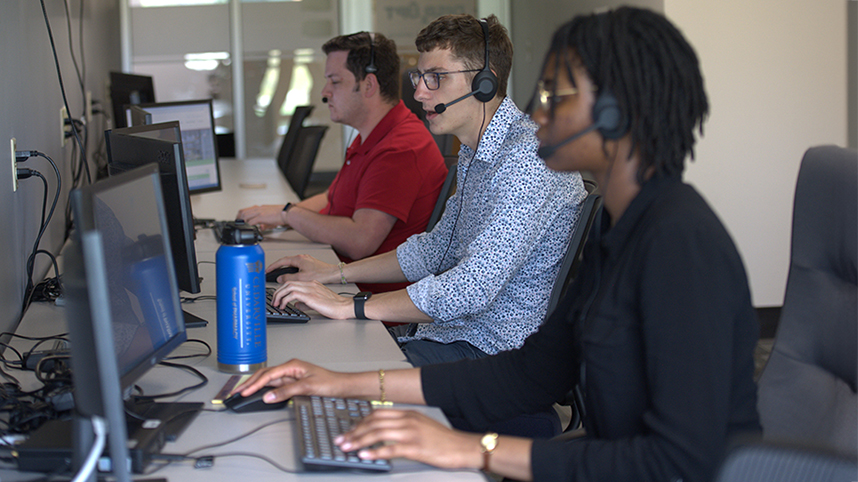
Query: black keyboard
[318, 420]
[289, 314]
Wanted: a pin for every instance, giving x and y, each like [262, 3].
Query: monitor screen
[196, 120]
[127, 213]
[128, 89]
[123, 306]
[133, 147]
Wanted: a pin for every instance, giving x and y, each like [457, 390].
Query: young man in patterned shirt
[483, 276]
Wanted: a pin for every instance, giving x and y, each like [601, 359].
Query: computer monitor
[124, 311]
[126, 89]
[133, 147]
[137, 116]
[196, 120]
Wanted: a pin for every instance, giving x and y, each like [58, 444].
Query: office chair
[547, 424]
[290, 139]
[301, 163]
[760, 461]
[447, 190]
[572, 258]
[807, 390]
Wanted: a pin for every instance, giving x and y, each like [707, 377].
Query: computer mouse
[252, 403]
[271, 277]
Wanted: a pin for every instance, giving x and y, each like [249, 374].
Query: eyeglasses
[432, 80]
[545, 98]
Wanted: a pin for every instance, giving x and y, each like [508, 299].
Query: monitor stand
[194, 321]
[152, 424]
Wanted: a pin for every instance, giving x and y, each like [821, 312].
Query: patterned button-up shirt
[485, 272]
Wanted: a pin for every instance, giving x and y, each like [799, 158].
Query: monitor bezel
[122, 83]
[185, 219]
[181, 103]
[86, 223]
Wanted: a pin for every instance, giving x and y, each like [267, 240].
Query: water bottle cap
[236, 234]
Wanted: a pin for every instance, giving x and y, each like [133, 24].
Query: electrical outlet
[14, 165]
[63, 117]
[88, 107]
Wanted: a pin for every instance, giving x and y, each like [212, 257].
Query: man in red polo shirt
[393, 171]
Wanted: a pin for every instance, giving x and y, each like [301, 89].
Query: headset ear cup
[485, 84]
[608, 116]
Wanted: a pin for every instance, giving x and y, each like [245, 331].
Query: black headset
[608, 117]
[485, 83]
[370, 67]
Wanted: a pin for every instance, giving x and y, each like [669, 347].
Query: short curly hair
[463, 35]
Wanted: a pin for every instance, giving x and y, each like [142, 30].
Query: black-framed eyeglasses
[432, 80]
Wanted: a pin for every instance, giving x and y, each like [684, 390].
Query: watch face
[363, 295]
[489, 441]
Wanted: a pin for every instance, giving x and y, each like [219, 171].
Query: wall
[776, 76]
[30, 102]
[532, 26]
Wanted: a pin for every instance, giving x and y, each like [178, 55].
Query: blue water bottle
[240, 268]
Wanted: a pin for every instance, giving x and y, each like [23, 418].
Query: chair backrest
[290, 139]
[807, 390]
[572, 258]
[765, 462]
[300, 166]
[447, 190]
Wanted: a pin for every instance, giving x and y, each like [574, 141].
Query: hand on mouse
[297, 377]
[309, 269]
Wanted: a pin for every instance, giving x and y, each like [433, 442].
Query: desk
[247, 183]
[344, 345]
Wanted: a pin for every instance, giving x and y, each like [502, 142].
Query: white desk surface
[244, 183]
[344, 345]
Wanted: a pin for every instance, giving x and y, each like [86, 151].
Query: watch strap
[360, 300]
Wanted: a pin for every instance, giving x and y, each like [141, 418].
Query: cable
[80, 77]
[178, 392]
[194, 299]
[238, 437]
[462, 193]
[99, 426]
[209, 459]
[45, 220]
[63, 90]
[193, 340]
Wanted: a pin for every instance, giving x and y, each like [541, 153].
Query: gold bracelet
[342, 276]
[381, 385]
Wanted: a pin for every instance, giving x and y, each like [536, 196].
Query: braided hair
[646, 63]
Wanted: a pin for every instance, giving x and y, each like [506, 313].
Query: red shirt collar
[395, 116]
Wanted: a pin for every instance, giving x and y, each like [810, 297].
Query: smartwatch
[360, 299]
[285, 211]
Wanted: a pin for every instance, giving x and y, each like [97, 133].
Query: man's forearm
[356, 237]
[394, 306]
[382, 268]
